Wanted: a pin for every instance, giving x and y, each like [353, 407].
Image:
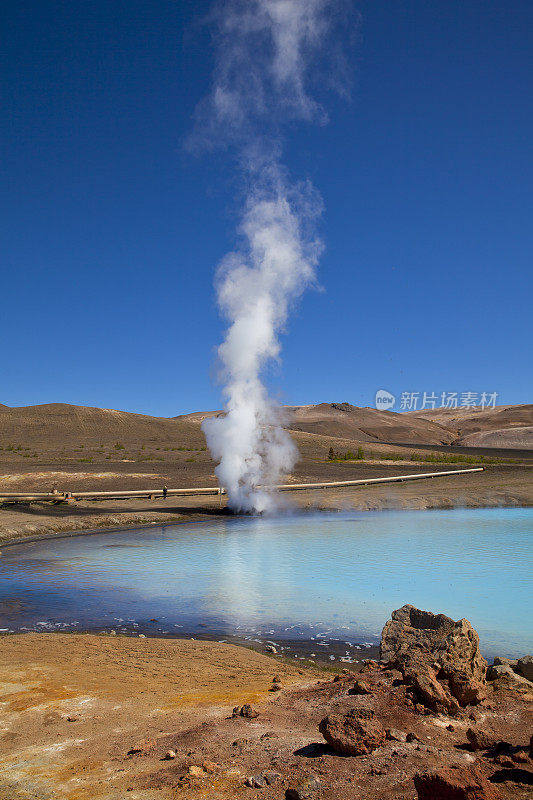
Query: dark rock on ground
[500, 660]
[360, 687]
[439, 657]
[256, 782]
[263, 779]
[479, 740]
[524, 667]
[506, 677]
[271, 777]
[394, 735]
[245, 711]
[350, 734]
[462, 783]
[496, 671]
[308, 790]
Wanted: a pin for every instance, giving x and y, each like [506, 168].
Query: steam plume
[266, 54]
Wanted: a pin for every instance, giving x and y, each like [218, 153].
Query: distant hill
[365, 424]
[58, 425]
[61, 424]
[505, 426]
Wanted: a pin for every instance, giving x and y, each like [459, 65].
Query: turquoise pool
[329, 578]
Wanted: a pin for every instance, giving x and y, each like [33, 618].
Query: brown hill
[64, 425]
[342, 420]
[366, 424]
[503, 426]
[514, 438]
[59, 425]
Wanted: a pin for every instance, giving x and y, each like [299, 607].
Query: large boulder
[524, 667]
[462, 783]
[352, 734]
[439, 657]
[505, 677]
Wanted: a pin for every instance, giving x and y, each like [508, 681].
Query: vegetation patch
[428, 458]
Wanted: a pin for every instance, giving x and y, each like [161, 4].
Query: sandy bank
[74, 705]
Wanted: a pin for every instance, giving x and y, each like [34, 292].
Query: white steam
[265, 53]
[255, 288]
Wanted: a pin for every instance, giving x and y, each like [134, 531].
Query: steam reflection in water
[333, 576]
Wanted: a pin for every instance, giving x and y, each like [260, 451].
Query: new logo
[384, 400]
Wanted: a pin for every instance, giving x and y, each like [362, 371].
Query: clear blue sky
[111, 232]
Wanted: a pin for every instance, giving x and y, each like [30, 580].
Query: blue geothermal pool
[329, 579]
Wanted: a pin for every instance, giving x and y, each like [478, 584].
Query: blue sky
[111, 232]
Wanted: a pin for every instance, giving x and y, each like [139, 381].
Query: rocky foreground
[427, 721]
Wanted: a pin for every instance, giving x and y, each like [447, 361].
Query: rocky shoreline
[427, 719]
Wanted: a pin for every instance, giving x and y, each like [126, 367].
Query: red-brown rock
[245, 711]
[463, 783]
[479, 740]
[439, 657]
[370, 666]
[360, 687]
[351, 735]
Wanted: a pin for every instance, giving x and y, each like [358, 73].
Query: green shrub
[348, 456]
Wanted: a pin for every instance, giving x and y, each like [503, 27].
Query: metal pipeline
[217, 491]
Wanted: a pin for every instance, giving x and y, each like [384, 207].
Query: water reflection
[325, 577]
